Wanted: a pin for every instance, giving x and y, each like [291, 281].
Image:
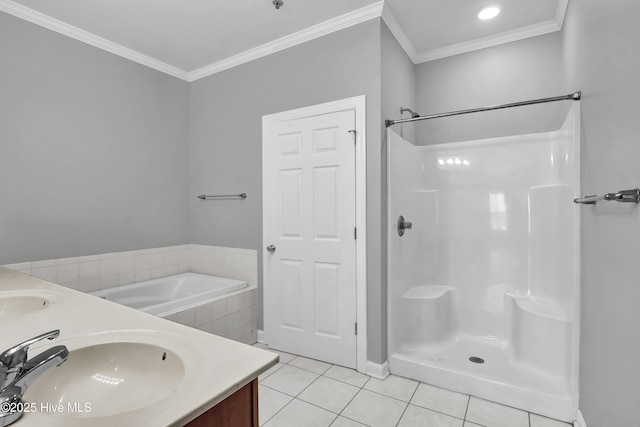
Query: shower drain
[475, 359]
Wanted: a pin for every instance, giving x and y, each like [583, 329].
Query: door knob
[271, 248]
[403, 225]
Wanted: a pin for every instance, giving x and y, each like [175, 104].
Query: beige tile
[346, 375]
[108, 282]
[108, 266]
[393, 386]
[126, 278]
[234, 303]
[441, 400]
[298, 413]
[45, 273]
[329, 394]
[88, 270]
[43, 263]
[270, 402]
[290, 380]
[315, 366]
[22, 266]
[126, 263]
[187, 317]
[143, 275]
[89, 285]
[492, 414]
[218, 309]
[374, 409]
[66, 273]
[203, 314]
[417, 416]
[540, 421]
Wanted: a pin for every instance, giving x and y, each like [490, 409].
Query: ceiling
[191, 39]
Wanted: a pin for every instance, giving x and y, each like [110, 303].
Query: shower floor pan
[500, 378]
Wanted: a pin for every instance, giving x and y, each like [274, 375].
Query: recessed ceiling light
[488, 12]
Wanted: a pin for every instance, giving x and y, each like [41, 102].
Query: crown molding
[332, 25]
[490, 41]
[38, 18]
[327, 27]
[397, 31]
[561, 11]
[375, 10]
[579, 422]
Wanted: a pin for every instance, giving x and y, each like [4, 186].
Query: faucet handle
[17, 356]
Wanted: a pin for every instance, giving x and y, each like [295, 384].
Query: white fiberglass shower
[483, 289]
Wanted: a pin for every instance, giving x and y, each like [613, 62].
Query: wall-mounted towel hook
[627, 196]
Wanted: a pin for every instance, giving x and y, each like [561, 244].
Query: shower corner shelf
[538, 306]
[427, 292]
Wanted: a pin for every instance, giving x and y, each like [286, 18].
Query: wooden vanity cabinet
[238, 410]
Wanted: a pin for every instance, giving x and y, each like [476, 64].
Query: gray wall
[527, 69]
[226, 112]
[601, 45]
[93, 149]
[398, 90]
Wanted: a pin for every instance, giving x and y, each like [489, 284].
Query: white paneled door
[309, 218]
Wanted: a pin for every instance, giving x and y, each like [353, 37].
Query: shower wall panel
[489, 270]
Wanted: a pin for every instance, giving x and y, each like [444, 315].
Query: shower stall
[483, 264]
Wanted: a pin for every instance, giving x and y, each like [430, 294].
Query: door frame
[358, 105]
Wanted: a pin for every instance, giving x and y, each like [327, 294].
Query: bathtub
[170, 293]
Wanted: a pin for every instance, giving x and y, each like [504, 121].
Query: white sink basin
[109, 378]
[19, 303]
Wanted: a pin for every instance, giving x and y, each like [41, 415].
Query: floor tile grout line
[402, 415]
[408, 403]
[355, 421]
[279, 410]
[400, 400]
[308, 385]
[437, 412]
[363, 388]
[317, 406]
[301, 400]
[349, 403]
[466, 411]
[323, 374]
[344, 382]
[386, 395]
[260, 380]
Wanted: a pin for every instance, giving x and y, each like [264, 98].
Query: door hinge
[356, 327]
[355, 233]
[354, 135]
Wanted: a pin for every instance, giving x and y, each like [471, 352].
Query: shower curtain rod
[575, 96]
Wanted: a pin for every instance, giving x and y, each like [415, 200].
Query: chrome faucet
[17, 373]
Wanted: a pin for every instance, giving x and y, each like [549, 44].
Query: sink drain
[475, 359]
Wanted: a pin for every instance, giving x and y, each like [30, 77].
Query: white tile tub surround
[241, 264]
[94, 272]
[233, 315]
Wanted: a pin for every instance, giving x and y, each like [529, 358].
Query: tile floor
[301, 392]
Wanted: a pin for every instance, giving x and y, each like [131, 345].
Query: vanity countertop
[213, 367]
